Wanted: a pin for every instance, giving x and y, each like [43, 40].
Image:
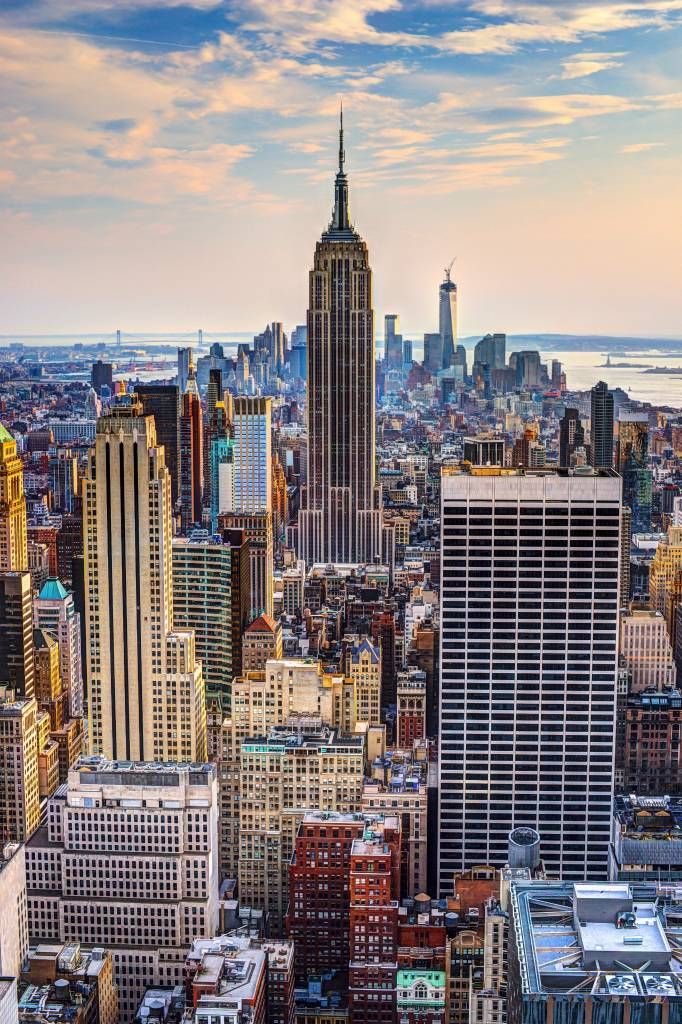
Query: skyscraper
[447, 317]
[340, 520]
[145, 689]
[54, 610]
[632, 464]
[184, 358]
[530, 580]
[601, 426]
[162, 401]
[393, 342]
[13, 546]
[191, 453]
[252, 427]
[491, 351]
[16, 633]
[571, 436]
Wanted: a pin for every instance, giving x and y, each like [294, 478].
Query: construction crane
[449, 268]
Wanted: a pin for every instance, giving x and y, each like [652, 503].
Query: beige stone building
[283, 774]
[19, 783]
[406, 798]
[646, 651]
[363, 665]
[128, 860]
[145, 687]
[13, 545]
[258, 529]
[14, 928]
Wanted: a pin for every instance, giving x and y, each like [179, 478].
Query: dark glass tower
[571, 436]
[162, 401]
[601, 426]
[341, 519]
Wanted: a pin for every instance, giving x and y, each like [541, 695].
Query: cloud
[640, 147]
[581, 65]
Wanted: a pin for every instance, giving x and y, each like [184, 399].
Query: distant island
[625, 366]
[675, 371]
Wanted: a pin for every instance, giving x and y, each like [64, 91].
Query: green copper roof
[5, 435]
[53, 590]
[407, 978]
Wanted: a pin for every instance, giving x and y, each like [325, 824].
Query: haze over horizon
[173, 162]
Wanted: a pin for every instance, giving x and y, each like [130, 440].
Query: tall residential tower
[341, 518]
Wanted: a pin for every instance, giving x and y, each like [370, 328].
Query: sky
[166, 165]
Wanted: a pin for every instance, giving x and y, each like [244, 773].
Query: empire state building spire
[341, 226]
[340, 517]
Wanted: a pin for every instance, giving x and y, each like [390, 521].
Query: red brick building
[374, 891]
[317, 919]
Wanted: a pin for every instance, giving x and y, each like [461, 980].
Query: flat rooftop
[587, 939]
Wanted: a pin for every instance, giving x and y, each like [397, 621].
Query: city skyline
[496, 131]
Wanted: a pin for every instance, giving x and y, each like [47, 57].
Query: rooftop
[53, 590]
[590, 938]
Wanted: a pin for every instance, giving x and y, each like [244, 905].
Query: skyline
[539, 141]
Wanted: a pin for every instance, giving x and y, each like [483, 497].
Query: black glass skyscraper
[601, 426]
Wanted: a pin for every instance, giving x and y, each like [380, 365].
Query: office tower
[571, 436]
[645, 650]
[393, 342]
[484, 450]
[262, 641]
[665, 580]
[632, 456]
[19, 784]
[63, 480]
[202, 603]
[16, 633]
[145, 690]
[411, 710]
[319, 875]
[258, 530]
[13, 550]
[447, 318]
[252, 431]
[407, 354]
[601, 426]
[340, 518]
[191, 453]
[184, 360]
[240, 587]
[279, 344]
[102, 376]
[557, 377]
[70, 543]
[491, 351]
[14, 931]
[221, 462]
[54, 610]
[279, 501]
[214, 391]
[283, 774]
[528, 369]
[529, 625]
[374, 892]
[162, 401]
[129, 853]
[363, 665]
[433, 353]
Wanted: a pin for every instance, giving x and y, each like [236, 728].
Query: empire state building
[340, 520]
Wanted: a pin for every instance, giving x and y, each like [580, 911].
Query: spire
[340, 223]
